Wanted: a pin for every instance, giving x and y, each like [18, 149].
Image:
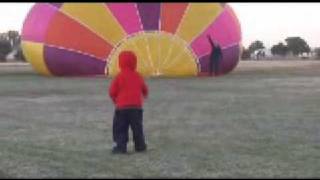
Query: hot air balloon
[170, 39]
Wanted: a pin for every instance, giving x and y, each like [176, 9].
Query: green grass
[258, 123]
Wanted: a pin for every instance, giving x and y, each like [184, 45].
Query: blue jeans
[123, 118]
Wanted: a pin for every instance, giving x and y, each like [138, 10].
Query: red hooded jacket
[128, 88]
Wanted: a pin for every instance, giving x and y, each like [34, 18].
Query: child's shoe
[117, 150]
[141, 148]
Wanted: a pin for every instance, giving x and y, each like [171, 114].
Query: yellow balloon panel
[165, 43]
[34, 54]
[182, 65]
[92, 15]
[158, 54]
[153, 48]
[142, 65]
[177, 47]
[198, 16]
[142, 62]
[143, 55]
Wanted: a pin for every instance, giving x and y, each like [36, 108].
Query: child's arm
[145, 90]
[113, 90]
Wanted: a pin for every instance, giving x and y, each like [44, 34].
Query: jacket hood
[127, 61]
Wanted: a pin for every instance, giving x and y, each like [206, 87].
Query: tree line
[294, 46]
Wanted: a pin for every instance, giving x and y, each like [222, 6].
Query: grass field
[260, 121]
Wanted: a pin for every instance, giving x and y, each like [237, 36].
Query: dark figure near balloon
[215, 58]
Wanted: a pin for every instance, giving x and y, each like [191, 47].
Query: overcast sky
[268, 22]
[273, 22]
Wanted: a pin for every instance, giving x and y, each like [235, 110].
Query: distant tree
[279, 49]
[297, 45]
[255, 46]
[20, 56]
[245, 54]
[14, 38]
[10, 45]
[5, 47]
[317, 52]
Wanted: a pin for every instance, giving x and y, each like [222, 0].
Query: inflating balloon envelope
[170, 39]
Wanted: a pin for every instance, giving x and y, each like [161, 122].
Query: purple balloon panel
[62, 62]
[149, 15]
